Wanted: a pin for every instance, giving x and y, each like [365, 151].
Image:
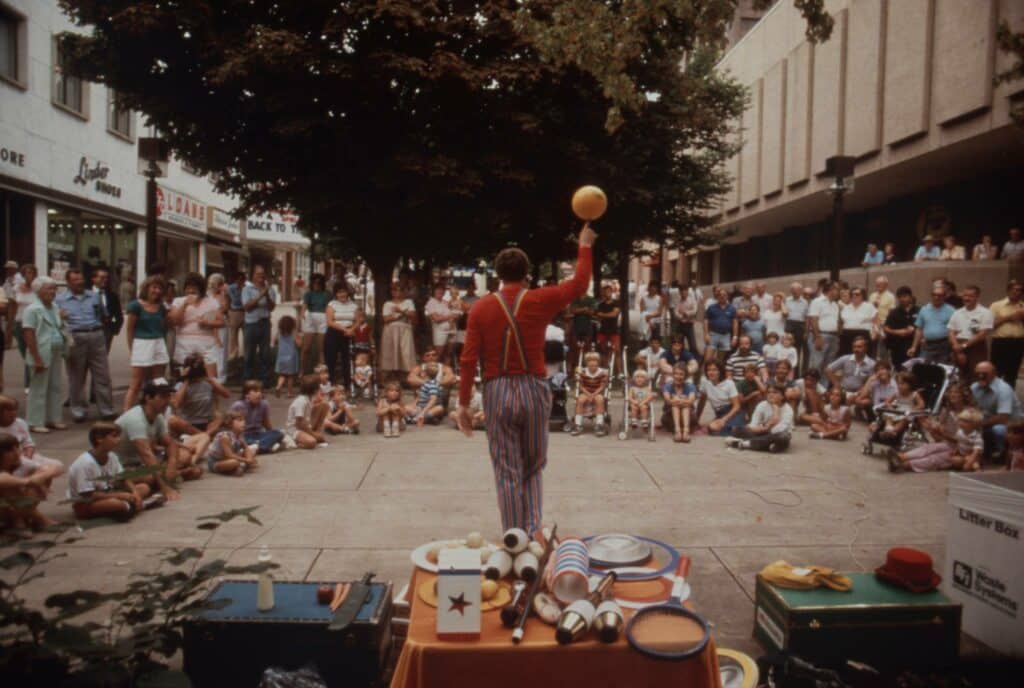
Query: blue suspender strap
[512, 332]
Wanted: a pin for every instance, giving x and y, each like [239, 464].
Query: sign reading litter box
[985, 557]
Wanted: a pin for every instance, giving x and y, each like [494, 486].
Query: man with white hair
[745, 300]
[796, 316]
[883, 300]
[761, 298]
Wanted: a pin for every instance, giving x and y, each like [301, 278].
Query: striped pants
[517, 408]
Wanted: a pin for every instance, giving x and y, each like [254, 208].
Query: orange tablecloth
[493, 661]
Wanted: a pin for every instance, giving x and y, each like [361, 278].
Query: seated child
[812, 393]
[13, 486]
[31, 461]
[362, 377]
[879, 388]
[679, 395]
[751, 389]
[834, 421]
[306, 415]
[1015, 447]
[770, 426]
[340, 417]
[390, 412]
[228, 453]
[891, 426]
[93, 486]
[258, 429]
[195, 419]
[326, 388]
[428, 407]
[963, 452]
[476, 405]
[640, 399]
[592, 384]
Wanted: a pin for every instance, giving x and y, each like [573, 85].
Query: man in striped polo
[505, 334]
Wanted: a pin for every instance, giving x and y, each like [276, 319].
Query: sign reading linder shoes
[180, 209]
[94, 175]
[985, 557]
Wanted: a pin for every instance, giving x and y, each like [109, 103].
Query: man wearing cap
[998, 403]
[144, 431]
[505, 332]
[928, 250]
[84, 315]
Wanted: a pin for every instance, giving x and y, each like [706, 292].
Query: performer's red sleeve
[470, 356]
[559, 296]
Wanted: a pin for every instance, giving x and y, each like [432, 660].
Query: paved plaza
[365, 502]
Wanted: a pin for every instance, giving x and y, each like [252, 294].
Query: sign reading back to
[279, 226]
[179, 209]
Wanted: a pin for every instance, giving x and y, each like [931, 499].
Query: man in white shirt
[969, 328]
[796, 315]
[1013, 250]
[883, 300]
[823, 328]
[685, 311]
[761, 298]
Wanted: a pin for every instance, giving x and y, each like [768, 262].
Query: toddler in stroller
[558, 381]
[919, 394]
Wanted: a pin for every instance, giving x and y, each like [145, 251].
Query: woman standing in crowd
[23, 298]
[775, 316]
[216, 288]
[442, 321]
[341, 320]
[313, 320]
[652, 304]
[145, 327]
[196, 316]
[397, 351]
[859, 318]
[42, 329]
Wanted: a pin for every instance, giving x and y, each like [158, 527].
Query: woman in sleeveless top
[397, 351]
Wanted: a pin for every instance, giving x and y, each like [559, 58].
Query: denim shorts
[721, 341]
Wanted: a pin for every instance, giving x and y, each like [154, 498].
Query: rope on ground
[799, 499]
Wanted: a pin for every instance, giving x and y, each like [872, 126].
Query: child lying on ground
[476, 405]
[963, 453]
[306, 415]
[428, 407]
[770, 425]
[592, 384]
[834, 422]
[94, 488]
[640, 398]
[13, 488]
[31, 461]
[228, 453]
[390, 412]
[340, 417]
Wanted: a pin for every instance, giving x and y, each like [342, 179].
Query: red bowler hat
[909, 568]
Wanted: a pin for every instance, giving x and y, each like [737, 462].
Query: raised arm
[559, 296]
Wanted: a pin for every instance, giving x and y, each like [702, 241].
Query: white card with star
[458, 593]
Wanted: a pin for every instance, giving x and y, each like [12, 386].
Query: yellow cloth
[786, 575]
[1002, 309]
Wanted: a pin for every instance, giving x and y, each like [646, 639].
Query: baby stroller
[601, 429]
[558, 381]
[626, 430]
[371, 391]
[933, 379]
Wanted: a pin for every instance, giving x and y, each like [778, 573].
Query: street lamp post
[153, 154]
[840, 169]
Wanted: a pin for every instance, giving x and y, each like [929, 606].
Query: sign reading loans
[179, 209]
[94, 174]
[278, 226]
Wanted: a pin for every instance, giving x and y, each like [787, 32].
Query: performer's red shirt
[486, 327]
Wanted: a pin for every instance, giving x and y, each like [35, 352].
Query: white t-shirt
[554, 333]
[205, 309]
[297, 409]
[435, 307]
[764, 412]
[777, 352]
[764, 301]
[24, 299]
[967, 323]
[827, 313]
[86, 476]
[720, 395]
[19, 428]
[391, 308]
[344, 313]
[858, 317]
[774, 321]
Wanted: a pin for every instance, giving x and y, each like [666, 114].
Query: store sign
[223, 221]
[9, 156]
[95, 175]
[282, 227]
[179, 209]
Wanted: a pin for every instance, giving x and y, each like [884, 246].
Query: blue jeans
[264, 439]
[256, 338]
[995, 439]
[821, 358]
[737, 421]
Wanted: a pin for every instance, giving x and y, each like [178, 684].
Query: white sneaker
[732, 441]
[322, 444]
[254, 447]
[276, 448]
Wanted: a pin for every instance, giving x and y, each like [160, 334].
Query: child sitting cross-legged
[593, 382]
[390, 412]
[94, 488]
[340, 417]
[306, 415]
[640, 397]
[258, 429]
[228, 453]
[14, 488]
[751, 389]
[770, 426]
[679, 395]
[963, 452]
[31, 461]
[879, 388]
[428, 407]
[834, 421]
[476, 406]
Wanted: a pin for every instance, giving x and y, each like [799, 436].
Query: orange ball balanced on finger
[589, 203]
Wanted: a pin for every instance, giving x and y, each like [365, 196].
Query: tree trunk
[622, 272]
[381, 267]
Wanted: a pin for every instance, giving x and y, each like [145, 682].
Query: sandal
[686, 437]
[677, 438]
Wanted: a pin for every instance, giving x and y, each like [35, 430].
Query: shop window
[119, 120]
[60, 242]
[12, 47]
[69, 92]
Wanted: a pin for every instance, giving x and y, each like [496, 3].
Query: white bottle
[265, 586]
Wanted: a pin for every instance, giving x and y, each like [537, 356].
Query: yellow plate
[428, 594]
[731, 663]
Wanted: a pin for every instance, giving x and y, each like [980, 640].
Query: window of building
[119, 120]
[12, 47]
[69, 92]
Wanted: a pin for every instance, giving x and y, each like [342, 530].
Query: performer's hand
[465, 420]
[587, 235]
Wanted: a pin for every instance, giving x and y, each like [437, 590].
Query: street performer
[505, 332]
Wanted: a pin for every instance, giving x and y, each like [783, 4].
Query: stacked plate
[618, 549]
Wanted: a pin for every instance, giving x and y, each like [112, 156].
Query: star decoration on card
[459, 603]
